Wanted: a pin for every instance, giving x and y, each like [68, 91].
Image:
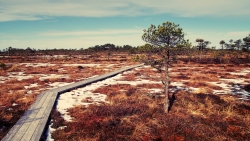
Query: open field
[211, 101]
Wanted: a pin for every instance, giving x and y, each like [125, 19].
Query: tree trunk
[166, 84]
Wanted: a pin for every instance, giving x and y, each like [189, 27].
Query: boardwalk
[31, 125]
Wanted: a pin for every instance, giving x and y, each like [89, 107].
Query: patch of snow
[243, 72]
[18, 75]
[155, 90]
[14, 104]
[110, 65]
[128, 72]
[145, 66]
[194, 89]
[178, 84]
[20, 78]
[229, 89]
[61, 69]
[154, 69]
[70, 99]
[31, 86]
[93, 76]
[235, 81]
[29, 92]
[3, 79]
[58, 84]
[85, 65]
[42, 78]
[37, 64]
[238, 90]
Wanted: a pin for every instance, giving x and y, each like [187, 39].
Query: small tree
[246, 41]
[222, 42]
[231, 45]
[148, 49]
[238, 43]
[9, 51]
[202, 45]
[164, 37]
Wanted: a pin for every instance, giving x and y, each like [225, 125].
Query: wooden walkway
[31, 125]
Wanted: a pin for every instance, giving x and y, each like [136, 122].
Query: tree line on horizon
[202, 45]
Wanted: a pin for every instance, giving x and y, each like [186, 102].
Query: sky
[75, 24]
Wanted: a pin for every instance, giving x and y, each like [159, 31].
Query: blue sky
[76, 24]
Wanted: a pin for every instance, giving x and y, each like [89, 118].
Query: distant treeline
[11, 51]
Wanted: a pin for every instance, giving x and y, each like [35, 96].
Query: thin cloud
[91, 33]
[238, 34]
[38, 10]
[80, 42]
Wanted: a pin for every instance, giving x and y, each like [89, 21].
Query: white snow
[14, 104]
[3, 79]
[128, 72]
[31, 86]
[29, 92]
[18, 75]
[37, 64]
[42, 78]
[20, 78]
[235, 81]
[85, 65]
[110, 65]
[70, 99]
[242, 72]
[155, 90]
[236, 89]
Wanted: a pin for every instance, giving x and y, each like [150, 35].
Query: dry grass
[202, 84]
[14, 68]
[138, 117]
[131, 76]
[131, 113]
[205, 77]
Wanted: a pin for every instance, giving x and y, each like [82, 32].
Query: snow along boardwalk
[31, 125]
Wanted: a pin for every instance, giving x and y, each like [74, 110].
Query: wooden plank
[15, 129]
[31, 118]
[42, 124]
[36, 120]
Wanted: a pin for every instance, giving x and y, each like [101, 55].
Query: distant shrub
[80, 67]
[3, 66]
[247, 88]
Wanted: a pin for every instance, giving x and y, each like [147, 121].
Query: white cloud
[92, 33]
[37, 10]
[78, 42]
[238, 34]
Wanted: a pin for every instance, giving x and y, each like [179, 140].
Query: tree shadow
[171, 100]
